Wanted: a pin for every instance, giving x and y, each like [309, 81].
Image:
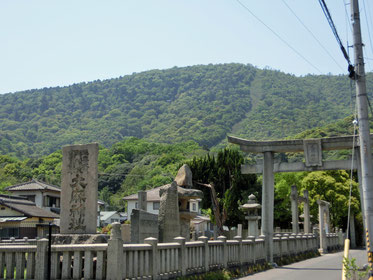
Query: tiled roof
[32, 186]
[28, 208]
[104, 215]
[151, 195]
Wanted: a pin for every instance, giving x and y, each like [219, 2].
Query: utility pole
[364, 134]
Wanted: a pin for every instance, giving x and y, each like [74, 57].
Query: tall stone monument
[79, 189]
[324, 224]
[169, 216]
[295, 199]
[174, 211]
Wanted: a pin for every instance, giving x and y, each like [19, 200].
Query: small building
[153, 202]
[20, 218]
[109, 217]
[44, 195]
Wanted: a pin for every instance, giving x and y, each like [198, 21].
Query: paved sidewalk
[327, 267]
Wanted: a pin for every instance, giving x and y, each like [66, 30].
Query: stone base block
[58, 239]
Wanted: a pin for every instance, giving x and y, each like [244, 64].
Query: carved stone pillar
[294, 209]
[306, 209]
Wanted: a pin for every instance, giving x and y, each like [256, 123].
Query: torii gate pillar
[268, 204]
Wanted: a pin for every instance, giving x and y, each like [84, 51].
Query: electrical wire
[334, 30]
[366, 19]
[369, 21]
[351, 173]
[347, 16]
[278, 36]
[309, 31]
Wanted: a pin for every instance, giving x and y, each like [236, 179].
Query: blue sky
[57, 43]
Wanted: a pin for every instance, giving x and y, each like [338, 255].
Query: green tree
[223, 185]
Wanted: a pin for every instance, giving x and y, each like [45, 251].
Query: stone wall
[143, 225]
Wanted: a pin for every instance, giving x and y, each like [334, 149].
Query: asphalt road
[328, 267]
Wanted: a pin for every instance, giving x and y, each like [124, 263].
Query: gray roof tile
[33, 185]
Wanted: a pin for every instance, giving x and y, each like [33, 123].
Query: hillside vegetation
[126, 167]
[199, 103]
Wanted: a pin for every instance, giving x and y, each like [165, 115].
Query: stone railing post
[115, 254]
[225, 250]
[340, 238]
[206, 260]
[240, 249]
[154, 260]
[183, 258]
[41, 259]
[284, 245]
[292, 245]
[303, 242]
[252, 251]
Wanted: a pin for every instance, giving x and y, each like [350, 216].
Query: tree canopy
[201, 103]
[223, 174]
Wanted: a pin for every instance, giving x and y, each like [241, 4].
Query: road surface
[327, 267]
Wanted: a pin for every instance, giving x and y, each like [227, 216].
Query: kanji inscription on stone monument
[79, 189]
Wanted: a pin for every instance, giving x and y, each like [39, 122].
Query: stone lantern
[251, 208]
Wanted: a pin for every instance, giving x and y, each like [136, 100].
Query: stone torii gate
[312, 149]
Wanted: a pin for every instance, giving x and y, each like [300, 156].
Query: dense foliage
[331, 186]
[128, 166]
[199, 103]
[190, 107]
[232, 188]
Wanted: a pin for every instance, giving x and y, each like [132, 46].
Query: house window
[156, 205]
[53, 201]
[10, 232]
[114, 220]
[30, 197]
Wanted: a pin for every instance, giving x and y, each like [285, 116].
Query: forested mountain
[200, 103]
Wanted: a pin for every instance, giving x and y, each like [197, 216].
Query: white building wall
[131, 204]
[38, 196]
[39, 199]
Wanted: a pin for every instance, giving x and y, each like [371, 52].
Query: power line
[309, 31]
[334, 30]
[347, 16]
[348, 25]
[278, 36]
[366, 18]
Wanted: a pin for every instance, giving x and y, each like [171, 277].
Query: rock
[184, 177]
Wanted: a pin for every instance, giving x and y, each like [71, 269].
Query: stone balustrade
[151, 260]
